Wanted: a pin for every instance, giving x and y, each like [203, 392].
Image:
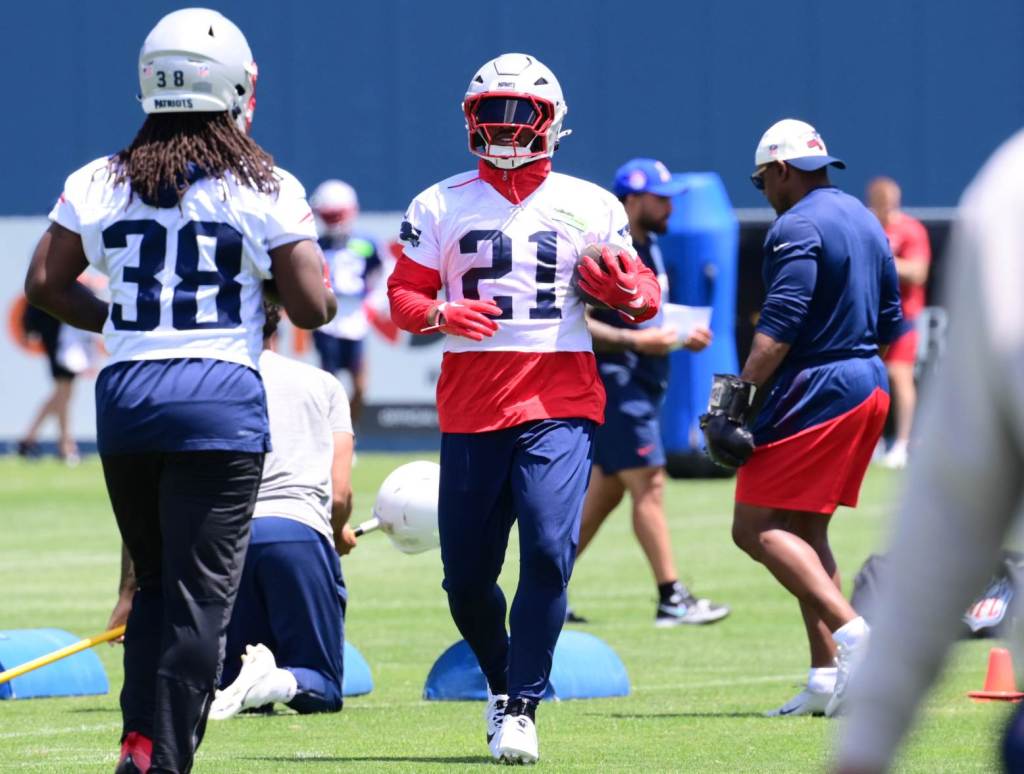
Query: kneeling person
[286, 636]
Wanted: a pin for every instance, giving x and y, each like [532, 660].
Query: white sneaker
[896, 457]
[494, 713]
[849, 653]
[688, 610]
[517, 740]
[807, 702]
[259, 682]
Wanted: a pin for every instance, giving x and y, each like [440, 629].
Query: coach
[814, 371]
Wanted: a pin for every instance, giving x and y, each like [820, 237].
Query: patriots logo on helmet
[409, 233]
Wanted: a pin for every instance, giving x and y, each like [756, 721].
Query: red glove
[619, 287]
[469, 318]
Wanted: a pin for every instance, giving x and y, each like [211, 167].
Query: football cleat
[259, 683]
[687, 609]
[516, 743]
[136, 752]
[494, 714]
[807, 702]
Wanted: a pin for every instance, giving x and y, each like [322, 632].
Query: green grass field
[697, 697]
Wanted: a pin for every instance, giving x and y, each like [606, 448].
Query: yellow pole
[67, 650]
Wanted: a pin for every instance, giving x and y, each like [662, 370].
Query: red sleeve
[650, 289]
[412, 291]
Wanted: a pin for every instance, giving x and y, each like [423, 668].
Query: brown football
[594, 251]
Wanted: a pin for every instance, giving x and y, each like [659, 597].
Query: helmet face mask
[196, 60]
[514, 111]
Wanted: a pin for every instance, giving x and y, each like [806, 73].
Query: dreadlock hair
[160, 156]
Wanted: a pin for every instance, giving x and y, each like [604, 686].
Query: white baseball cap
[797, 143]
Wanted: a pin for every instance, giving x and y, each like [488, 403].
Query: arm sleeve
[891, 324]
[791, 252]
[289, 218]
[412, 291]
[960, 499]
[339, 413]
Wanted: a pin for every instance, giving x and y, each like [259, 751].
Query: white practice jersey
[521, 256]
[185, 282]
[306, 407]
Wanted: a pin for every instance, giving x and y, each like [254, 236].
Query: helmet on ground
[406, 506]
[514, 111]
[196, 60]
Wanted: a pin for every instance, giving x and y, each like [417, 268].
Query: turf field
[697, 692]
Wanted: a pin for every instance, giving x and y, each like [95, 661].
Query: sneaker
[687, 609]
[516, 743]
[807, 702]
[571, 617]
[29, 450]
[136, 752]
[896, 457]
[848, 658]
[493, 715]
[259, 682]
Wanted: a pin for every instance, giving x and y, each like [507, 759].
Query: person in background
[355, 267]
[912, 250]
[964, 488]
[632, 359]
[813, 392]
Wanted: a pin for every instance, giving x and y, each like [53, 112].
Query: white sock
[851, 632]
[821, 679]
[278, 686]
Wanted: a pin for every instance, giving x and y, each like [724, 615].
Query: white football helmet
[196, 60]
[336, 206]
[406, 506]
[517, 100]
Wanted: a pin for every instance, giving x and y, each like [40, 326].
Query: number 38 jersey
[521, 256]
[185, 281]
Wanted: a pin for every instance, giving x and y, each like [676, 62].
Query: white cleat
[848, 658]
[494, 714]
[807, 702]
[258, 683]
[517, 740]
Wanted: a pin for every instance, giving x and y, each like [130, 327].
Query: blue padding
[357, 679]
[584, 668]
[78, 675]
[701, 252]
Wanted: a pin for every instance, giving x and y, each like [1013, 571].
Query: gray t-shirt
[306, 407]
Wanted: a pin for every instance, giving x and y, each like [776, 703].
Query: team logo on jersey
[409, 233]
[564, 216]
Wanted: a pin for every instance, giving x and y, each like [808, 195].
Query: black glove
[729, 443]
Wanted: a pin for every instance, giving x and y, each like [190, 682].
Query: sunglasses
[758, 177]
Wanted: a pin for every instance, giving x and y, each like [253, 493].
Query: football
[594, 251]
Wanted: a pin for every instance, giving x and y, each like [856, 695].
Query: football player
[519, 396]
[355, 267]
[187, 221]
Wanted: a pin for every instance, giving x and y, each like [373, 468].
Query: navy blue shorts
[631, 434]
[292, 599]
[338, 354]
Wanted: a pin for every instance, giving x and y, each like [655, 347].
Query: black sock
[671, 591]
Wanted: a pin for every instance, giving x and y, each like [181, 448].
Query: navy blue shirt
[834, 297]
[622, 367]
[832, 287]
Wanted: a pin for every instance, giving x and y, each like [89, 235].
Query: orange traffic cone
[1000, 684]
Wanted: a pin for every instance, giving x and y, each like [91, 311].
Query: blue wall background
[370, 91]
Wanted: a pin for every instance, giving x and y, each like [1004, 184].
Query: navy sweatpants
[292, 599]
[538, 473]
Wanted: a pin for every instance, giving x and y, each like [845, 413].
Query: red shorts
[904, 349]
[817, 469]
